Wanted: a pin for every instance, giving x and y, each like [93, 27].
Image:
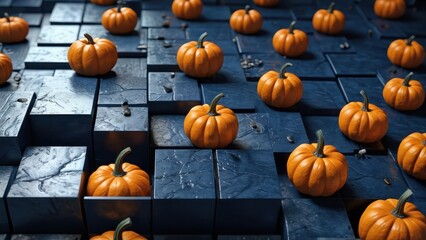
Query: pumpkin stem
[201, 40]
[291, 28]
[365, 101]
[319, 151]
[399, 209]
[407, 79]
[283, 70]
[212, 110]
[6, 15]
[119, 6]
[118, 167]
[331, 7]
[410, 40]
[247, 8]
[89, 38]
[118, 233]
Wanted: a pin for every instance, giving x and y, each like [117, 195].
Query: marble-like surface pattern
[58, 35]
[46, 237]
[49, 172]
[184, 174]
[167, 131]
[115, 91]
[237, 95]
[13, 111]
[47, 58]
[67, 13]
[168, 87]
[130, 67]
[112, 119]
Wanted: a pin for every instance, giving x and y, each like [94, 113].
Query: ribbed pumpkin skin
[102, 182]
[90, 60]
[266, 3]
[290, 44]
[317, 176]
[412, 155]
[328, 23]
[389, 9]
[377, 222]
[187, 9]
[6, 68]
[127, 235]
[103, 2]
[14, 31]
[122, 22]
[200, 62]
[280, 92]
[402, 97]
[406, 55]
[247, 22]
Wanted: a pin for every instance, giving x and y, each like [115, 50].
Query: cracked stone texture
[315, 219]
[167, 131]
[164, 87]
[67, 13]
[27, 82]
[237, 95]
[115, 91]
[128, 67]
[46, 237]
[47, 58]
[5, 175]
[57, 35]
[14, 125]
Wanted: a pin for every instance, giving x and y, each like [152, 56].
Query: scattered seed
[387, 181]
[172, 74]
[142, 47]
[126, 109]
[167, 44]
[183, 26]
[370, 33]
[160, 37]
[290, 139]
[347, 45]
[22, 100]
[168, 88]
[166, 24]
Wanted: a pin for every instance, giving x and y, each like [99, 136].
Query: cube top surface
[113, 119]
[13, 109]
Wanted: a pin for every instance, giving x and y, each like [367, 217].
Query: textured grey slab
[130, 67]
[237, 95]
[29, 72]
[115, 91]
[17, 53]
[33, 19]
[46, 237]
[5, 175]
[58, 35]
[67, 13]
[167, 131]
[127, 45]
[45, 195]
[93, 13]
[47, 58]
[112, 119]
[252, 131]
[23, 83]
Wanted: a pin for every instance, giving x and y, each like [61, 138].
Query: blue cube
[46, 237]
[167, 131]
[7, 174]
[113, 92]
[67, 13]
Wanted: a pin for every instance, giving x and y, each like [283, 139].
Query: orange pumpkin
[281, 90]
[290, 42]
[119, 233]
[363, 122]
[200, 59]
[406, 53]
[213, 126]
[119, 20]
[103, 2]
[392, 219]
[412, 155]
[13, 29]
[6, 68]
[119, 179]
[317, 169]
[390, 9]
[91, 57]
[247, 21]
[187, 9]
[404, 94]
[266, 3]
[329, 21]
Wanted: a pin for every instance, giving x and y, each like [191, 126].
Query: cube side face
[6, 173]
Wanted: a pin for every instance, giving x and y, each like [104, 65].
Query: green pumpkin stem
[201, 40]
[89, 38]
[407, 79]
[212, 110]
[365, 101]
[319, 151]
[283, 70]
[118, 166]
[399, 209]
[331, 7]
[291, 28]
[118, 233]
[410, 40]
[247, 8]
[6, 15]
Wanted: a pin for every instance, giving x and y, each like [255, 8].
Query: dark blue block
[46, 237]
[252, 132]
[45, 196]
[167, 33]
[316, 219]
[167, 131]
[249, 237]
[129, 67]
[237, 95]
[93, 13]
[332, 44]
[104, 213]
[172, 93]
[6, 173]
[304, 11]
[248, 191]
[358, 27]
[393, 71]
[127, 45]
[333, 136]
[216, 30]
[58, 35]
[421, 205]
[33, 19]
[26, 6]
[366, 178]
[355, 64]
[5, 3]
[47, 58]
[15, 133]
[182, 237]
[388, 28]
[64, 111]
[67, 13]
[373, 87]
[113, 132]
[184, 178]
[115, 91]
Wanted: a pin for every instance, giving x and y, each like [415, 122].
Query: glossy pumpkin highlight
[187, 9]
[390, 9]
[6, 68]
[290, 42]
[246, 21]
[13, 29]
[406, 53]
[404, 94]
[329, 21]
[119, 20]
[412, 155]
